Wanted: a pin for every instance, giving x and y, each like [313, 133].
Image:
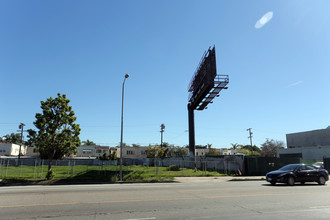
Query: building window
[98, 151]
[143, 152]
[87, 152]
[129, 152]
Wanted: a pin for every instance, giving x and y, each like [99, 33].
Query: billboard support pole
[191, 122]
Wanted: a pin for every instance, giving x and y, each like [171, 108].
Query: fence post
[42, 168]
[7, 167]
[55, 166]
[34, 173]
[74, 164]
[229, 168]
[68, 167]
[1, 167]
[20, 174]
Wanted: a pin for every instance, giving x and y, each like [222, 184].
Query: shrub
[173, 168]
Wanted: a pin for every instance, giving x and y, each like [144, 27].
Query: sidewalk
[218, 179]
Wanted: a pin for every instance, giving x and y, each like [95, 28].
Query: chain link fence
[34, 168]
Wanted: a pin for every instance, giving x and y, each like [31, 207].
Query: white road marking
[320, 207]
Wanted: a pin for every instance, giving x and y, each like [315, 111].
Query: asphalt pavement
[188, 198]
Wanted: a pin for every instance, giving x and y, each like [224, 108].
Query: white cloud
[295, 84]
[264, 20]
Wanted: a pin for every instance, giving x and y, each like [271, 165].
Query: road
[212, 199]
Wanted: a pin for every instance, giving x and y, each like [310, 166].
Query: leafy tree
[113, 156]
[247, 152]
[88, 143]
[57, 134]
[12, 138]
[252, 149]
[212, 152]
[178, 152]
[104, 156]
[156, 152]
[270, 147]
[136, 145]
[166, 145]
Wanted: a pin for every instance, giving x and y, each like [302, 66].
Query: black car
[298, 173]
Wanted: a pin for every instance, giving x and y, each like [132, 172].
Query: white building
[221, 151]
[201, 151]
[92, 151]
[9, 149]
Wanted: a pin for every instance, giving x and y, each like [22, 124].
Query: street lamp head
[126, 75]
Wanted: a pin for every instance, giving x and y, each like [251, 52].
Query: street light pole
[162, 129]
[21, 126]
[121, 133]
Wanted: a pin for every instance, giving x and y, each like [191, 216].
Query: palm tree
[88, 143]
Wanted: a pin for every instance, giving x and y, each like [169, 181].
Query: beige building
[132, 152]
[92, 151]
[32, 152]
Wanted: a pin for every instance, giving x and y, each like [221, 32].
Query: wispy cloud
[294, 84]
[264, 20]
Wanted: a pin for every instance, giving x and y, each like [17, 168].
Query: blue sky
[279, 74]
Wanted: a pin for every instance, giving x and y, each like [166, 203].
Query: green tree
[88, 143]
[12, 138]
[212, 152]
[57, 134]
[156, 152]
[178, 152]
[104, 156]
[270, 147]
[248, 147]
[113, 156]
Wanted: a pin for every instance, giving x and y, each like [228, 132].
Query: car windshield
[290, 167]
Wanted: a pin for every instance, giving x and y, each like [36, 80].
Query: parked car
[302, 173]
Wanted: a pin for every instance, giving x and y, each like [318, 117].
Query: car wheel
[321, 180]
[273, 183]
[291, 181]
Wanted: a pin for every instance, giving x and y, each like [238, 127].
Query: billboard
[203, 79]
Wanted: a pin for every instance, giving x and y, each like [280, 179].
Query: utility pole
[162, 129]
[250, 137]
[21, 126]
